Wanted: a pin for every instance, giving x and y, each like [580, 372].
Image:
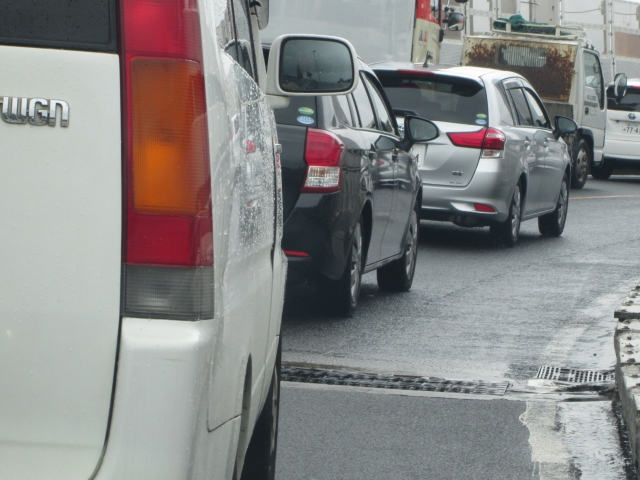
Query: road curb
[627, 346]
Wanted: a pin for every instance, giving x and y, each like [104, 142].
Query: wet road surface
[475, 312]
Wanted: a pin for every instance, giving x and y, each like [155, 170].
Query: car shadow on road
[446, 236]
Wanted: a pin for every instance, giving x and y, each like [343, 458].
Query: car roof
[471, 73]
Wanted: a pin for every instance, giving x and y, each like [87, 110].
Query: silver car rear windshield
[436, 98]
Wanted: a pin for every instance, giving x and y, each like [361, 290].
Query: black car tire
[580, 170]
[397, 276]
[552, 224]
[345, 292]
[509, 230]
[602, 171]
[260, 459]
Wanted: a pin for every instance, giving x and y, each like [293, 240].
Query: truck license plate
[632, 128]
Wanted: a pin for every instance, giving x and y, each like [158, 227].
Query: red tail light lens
[468, 139]
[168, 253]
[323, 154]
[481, 207]
[494, 141]
[490, 140]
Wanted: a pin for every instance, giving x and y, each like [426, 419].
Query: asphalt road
[475, 312]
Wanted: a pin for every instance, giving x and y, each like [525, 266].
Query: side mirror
[308, 65]
[416, 130]
[455, 21]
[620, 86]
[261, 12]
[564, 126]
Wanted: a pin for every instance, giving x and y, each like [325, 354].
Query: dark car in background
[351, 191]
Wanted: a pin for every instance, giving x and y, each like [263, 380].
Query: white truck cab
[564, 69]
[141, 269]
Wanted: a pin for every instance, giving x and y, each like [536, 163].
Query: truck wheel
[602, 171]
[552, 224]
[345, 291]
[509, 230]
[260, 460]
[397, 276]
[580, 169]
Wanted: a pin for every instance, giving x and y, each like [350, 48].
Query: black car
[351, 191]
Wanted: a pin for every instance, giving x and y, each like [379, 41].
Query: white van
[141, 269]
[622, 139]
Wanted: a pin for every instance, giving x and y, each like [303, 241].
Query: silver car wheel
[515, 214]
[412, 244]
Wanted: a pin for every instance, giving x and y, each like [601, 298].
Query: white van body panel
[61, 240]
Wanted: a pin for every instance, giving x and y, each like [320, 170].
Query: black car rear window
[629, 103]
[301, 111]
[67, 24]
[439, 98]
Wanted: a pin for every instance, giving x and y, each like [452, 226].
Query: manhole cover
[424, 384]
[574, 375]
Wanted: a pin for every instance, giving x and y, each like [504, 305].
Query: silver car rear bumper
[491, 185]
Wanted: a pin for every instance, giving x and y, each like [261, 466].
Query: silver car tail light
[490, 140]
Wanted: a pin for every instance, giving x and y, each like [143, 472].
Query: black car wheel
[397, 276]
[552, 224]
[345, 292]
[509, 230]
[260, 460]
[580, 169]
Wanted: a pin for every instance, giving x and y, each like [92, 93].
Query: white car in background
[622, 136]
[141, 268]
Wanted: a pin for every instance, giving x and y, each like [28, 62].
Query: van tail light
[323, 154]
[490, 140]
[168, 244]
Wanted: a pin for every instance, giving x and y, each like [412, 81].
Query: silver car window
[522, 109]
[506, 116]
[538, 114]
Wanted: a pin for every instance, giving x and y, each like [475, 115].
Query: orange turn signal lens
[169, 144]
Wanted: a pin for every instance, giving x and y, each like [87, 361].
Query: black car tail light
[323, 154]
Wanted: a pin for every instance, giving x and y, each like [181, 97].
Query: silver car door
[553, 153]
[532, 149]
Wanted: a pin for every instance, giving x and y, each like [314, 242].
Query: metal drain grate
[423, 384]
[573, 375]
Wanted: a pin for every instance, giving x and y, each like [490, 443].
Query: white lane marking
[548, 454]
[605, 196]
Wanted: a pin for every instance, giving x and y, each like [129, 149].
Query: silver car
[499, 159]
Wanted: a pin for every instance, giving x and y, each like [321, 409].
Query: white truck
[380, 30]
[565, 70]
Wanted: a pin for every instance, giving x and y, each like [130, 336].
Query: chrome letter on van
[36, 111]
